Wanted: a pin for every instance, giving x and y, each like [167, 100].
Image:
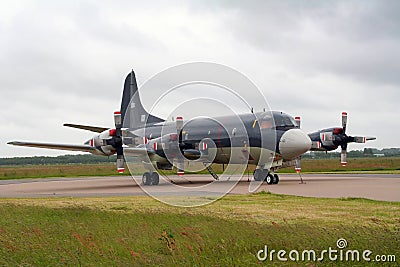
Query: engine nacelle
[103, 142]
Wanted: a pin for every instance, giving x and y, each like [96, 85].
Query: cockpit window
[284, 121]
[280, 121]
[266, 122]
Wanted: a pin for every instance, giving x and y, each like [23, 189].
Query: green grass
[44, 171]
[133, 231]
[355, 165]
[376, 165]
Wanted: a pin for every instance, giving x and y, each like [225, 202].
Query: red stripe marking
[117, 112]
[179, 118]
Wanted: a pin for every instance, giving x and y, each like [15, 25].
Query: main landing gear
[267, 176]
[150, 178]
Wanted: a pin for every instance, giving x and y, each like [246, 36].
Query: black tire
[146, 178]
[155, 178]
[276, 179]
[269, 179]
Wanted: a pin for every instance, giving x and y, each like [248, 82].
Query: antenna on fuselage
[252, 110]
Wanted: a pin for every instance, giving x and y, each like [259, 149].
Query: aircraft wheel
[269, 179]
[275, 180]
[146, 178]
[155, 178]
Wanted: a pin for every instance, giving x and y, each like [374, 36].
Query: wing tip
[14, 143]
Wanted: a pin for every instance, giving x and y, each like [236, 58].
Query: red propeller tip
[121, 170]
[180, 173]
[117, 112]
[344, 164]
[297, 118]
[179, 118]
[344, 113]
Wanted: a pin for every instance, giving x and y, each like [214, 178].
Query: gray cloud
[358, 39]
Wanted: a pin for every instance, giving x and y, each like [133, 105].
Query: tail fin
[133, 113]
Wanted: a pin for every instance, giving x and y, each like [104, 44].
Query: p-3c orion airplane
[269, 140]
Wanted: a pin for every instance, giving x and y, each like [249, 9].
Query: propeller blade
[298, 165]
[344, 121]
[181, 167]
[363, 139]
[298, 120]
[118, 122]
[179, 126]
[359, 139]
[120, 163]
[343, 157]
[118, 141]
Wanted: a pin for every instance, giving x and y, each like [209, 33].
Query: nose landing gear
[264, 175]
[150, 178]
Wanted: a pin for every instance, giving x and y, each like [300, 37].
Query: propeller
[330, 139]
[116, 141]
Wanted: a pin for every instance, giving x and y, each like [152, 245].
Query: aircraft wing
[83, 148]
[86, 127]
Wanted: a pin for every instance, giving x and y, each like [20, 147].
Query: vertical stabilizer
[133, 113]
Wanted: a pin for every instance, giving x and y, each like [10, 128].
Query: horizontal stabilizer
[86, 127]
[83, 148]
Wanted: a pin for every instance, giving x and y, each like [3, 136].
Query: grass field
[389, 164]
[382, 165]
[133, 231]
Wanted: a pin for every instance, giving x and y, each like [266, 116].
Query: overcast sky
[65, 61]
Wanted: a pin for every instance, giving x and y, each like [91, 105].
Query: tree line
[65, 159]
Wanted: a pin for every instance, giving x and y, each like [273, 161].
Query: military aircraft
[269, 140]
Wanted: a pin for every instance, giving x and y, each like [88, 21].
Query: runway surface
[372, 186]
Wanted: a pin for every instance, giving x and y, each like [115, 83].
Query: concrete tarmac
[373, 186]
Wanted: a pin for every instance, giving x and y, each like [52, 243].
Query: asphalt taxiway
[372, 186]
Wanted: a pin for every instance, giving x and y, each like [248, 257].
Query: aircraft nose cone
[294, 143]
